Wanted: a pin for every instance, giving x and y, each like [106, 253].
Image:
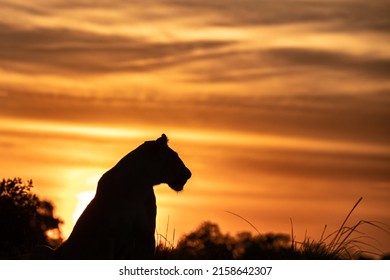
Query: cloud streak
[361, 119]
[365, 66]
[284, 62]
[328, 15]
[74, 52]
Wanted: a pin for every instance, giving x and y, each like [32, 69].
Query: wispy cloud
[341, 117]
[72, 52]
[67, 37]
[365, 66]
[244, 66]
[342, 16]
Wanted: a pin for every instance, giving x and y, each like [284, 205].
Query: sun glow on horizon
[83, 199]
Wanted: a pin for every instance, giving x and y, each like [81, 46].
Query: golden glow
[69, 129]
[83, 199]
[215, 137]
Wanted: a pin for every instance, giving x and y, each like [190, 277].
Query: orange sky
[279, 108]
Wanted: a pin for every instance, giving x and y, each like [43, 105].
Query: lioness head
[164, 164]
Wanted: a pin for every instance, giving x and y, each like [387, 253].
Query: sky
[279, 108]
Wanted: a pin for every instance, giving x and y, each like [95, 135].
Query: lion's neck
[124, 182]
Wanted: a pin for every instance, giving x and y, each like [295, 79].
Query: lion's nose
[189, 174]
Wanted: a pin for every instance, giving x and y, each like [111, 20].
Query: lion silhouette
[119, 222]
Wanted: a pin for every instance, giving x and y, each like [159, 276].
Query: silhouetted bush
[265, 246]
[25, 220]
[208, 242]
[347, 242]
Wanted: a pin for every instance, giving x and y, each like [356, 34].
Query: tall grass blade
[248, 222]
[339, 233]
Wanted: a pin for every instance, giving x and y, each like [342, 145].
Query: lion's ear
[162, 141]
[164, 138]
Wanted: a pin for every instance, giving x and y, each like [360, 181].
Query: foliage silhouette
[25, 220]
[208, 242]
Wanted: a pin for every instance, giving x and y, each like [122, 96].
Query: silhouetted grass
[207, 242]
[164, 247]
[26, 220]
[347, 242]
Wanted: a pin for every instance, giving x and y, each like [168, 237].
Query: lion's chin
[177, 186]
